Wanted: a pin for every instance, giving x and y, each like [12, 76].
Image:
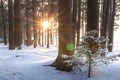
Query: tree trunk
[104, 28]
[42, 26]
[92, 21]
[74, 18]
[78, 22]
[28, 27]
[89, 67]
[48, 35]
[65, 34]
[34, 22]
[48, 29]
[111, 22]
[3, 23]
[51, 35]
[39, 38]
[11, 25]
[17, 24]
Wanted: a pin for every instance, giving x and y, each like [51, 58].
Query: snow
[32, 64]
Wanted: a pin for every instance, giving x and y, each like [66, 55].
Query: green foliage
[92, 44]
[91, 48]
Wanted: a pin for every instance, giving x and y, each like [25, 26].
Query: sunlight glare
[46, 24]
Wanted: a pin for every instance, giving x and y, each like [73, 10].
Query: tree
[3, 23]
[48, 30]
[11, 25]
[78, 21]
[104, 18]
[34, 8]
[107, 28]
[42, 22]
[92, 21]
[83, 17]
[92, 15]
[66, 40]
[74, 18]
[17, 24]
[91, 48]
[112, 7]
[28, 27]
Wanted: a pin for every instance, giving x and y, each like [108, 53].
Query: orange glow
[46, 24]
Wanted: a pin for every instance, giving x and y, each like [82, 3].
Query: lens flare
[46, 24]
[70, 47]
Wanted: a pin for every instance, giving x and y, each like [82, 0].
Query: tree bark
[3, 23]
[74, 18]
[42, 26]
[111, 24]
[17, 24]
[104, 28]
[79, 21]
[11, 25]
[92, 15]
[89, 67]
[34, 22]
[28, 27]
[65, 34]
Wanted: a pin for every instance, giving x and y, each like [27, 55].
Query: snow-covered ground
[30, 64]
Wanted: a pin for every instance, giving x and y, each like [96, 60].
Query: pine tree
[28, 27]
[3, 23]
[34, 9]
[11, 25]
[66, 35]
[17, 24]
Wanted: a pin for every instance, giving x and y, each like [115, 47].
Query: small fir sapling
[92, 47]
[89, 46]
[92, 50]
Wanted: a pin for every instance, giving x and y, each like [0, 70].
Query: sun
[46, 24]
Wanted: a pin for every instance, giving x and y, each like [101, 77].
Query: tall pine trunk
[11, 25]
[28, 27]
[111, 24]
[34, 22]
[3, 23]
[48, 29]
[74, 18]
[65, 34]
[78, 21]
[42, 22]
[92, 15]
[17, 24]
[104, 28]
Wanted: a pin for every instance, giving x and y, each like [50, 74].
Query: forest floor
[29, 64]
